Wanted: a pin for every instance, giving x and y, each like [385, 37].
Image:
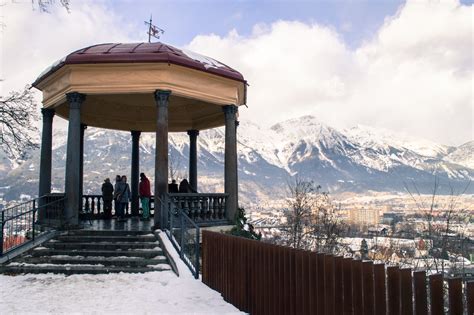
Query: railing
[184, 234]
[202, 208]
[261, 278]
[93, 207]
[24, 222]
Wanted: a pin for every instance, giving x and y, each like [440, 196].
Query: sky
[401, 66]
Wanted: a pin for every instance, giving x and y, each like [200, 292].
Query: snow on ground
[149, 293]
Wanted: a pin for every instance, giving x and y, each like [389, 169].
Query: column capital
[47, 112]
[75, 99]
[230, 110]
[135, 133]
[193, 132]
[162, 97]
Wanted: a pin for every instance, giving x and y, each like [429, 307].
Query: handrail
[19, 223]
[189, 253]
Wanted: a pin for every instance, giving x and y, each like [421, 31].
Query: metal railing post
[34, 217]
[182, 235]
[1, 240]
[196, 249]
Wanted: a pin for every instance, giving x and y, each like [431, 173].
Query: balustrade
[201, 208]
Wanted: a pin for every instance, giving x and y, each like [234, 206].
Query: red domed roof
[142, 53]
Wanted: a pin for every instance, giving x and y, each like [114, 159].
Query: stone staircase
[92, 252]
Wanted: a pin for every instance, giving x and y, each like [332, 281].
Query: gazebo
[141, 87]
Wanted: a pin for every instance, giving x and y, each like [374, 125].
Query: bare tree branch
[18, 117]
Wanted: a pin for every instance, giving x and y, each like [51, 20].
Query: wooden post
[72, 182]
[161, 157]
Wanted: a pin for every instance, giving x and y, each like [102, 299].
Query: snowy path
[149, 293]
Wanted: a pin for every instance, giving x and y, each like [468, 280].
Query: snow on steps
[92, 252]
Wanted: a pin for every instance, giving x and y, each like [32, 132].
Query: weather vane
[153, 30]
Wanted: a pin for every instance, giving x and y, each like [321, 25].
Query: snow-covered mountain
[357, 159]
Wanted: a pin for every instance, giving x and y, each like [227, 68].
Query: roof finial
[153, 30]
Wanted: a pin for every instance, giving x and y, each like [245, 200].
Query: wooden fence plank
[380, 290]
[293, 281]
[368, 287]
[329, 280]
[407, 291]
[306, 283]
[470, 297]
[393, 290]
[455, 296]
[299, 281]
[253, 279]
[287, 281]
[420, 293]
[338, 285]
[436, 294]
[313, 282]
[347, 278]
[357, 292]
[321, 285]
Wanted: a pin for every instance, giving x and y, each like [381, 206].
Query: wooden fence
[261, 278]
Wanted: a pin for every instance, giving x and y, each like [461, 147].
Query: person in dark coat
[118, 178]
[145, 194]
[185, 187]
[107, 197]
[173, 187]
[122, 193]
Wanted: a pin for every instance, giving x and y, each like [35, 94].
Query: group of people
[121, 195]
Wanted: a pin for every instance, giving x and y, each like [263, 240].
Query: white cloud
[31, 41]
[414, 75]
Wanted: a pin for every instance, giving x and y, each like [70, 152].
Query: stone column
[135, 171]
[161, 156]
[73, 161]
[45, 158]
[193, 158]
[46, 152]
[81, 163]
[230, 165]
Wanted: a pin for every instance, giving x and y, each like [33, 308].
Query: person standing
[118, 178]
[123, 196]
[173, 187]
[107, 197]
[185, 187]
[145, 194]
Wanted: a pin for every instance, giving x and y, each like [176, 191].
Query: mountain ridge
[356, 159]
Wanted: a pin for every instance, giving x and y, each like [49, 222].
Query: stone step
[101, 245]
[144, 253]
[107, 238]
[96, 260]
[22, 268]
[107, 232]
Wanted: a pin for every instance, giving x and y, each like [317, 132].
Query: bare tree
[303, 197]
[444, 241]
[18, 116]
[311, 219]
[174, 165]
